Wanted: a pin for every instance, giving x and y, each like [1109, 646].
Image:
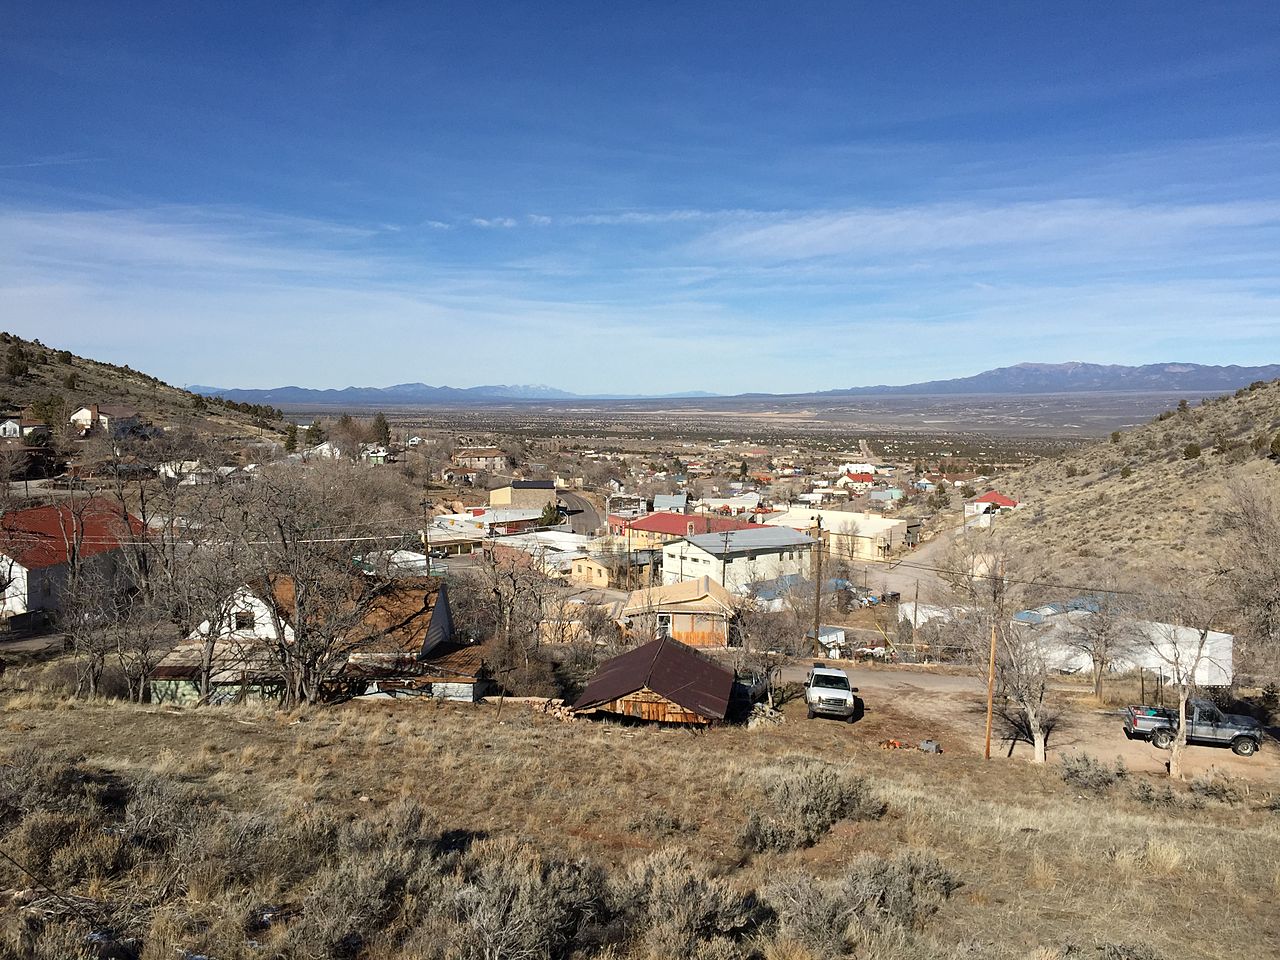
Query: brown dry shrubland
[417, 830]
[1138, 499]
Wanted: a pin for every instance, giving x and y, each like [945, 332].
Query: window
[244, 619]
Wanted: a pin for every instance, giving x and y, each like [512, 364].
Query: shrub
[38, 780]
[1084, 772]
[1217, 786]
[1145, 793]
[1191, 451]
[877, 895]
[801, 803]
[1126, 472]
[670, 905]
[513, 902]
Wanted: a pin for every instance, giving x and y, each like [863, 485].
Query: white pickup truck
[827, 692]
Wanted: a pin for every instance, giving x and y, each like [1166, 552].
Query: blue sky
[639, 197]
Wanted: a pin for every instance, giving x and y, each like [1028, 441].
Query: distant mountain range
[1023, 378]
[412, 394]
[1078, 377]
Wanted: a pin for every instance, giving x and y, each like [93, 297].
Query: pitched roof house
[39, 547]
[403, 640]
[697, 612]
[663, 681]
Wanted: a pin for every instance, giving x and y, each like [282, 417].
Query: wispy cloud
[59, 161]
[906, 230]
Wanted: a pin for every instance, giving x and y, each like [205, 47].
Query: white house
[111, 419]
[405, 630]
[736, 559]
[15, 428]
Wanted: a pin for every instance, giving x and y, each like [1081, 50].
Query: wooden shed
[664, 681]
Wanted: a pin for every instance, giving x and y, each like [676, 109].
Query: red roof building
[996, 499]
[48, 536]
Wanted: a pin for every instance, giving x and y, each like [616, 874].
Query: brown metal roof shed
[663, 680]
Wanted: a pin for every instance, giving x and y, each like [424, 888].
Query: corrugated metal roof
[670, 669]
[758, 537]
[46, 536]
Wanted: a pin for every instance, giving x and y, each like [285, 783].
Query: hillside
[1154, 491]
[56, 382]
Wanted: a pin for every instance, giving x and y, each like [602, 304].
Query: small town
[665, 482]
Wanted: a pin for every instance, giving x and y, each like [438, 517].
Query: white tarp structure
[1158, 648]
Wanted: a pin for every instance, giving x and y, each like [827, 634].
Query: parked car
[1206, 724]
[827, 692]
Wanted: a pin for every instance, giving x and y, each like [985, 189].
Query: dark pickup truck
[1205, 724]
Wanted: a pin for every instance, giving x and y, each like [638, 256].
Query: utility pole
[991, 689]
[915, 615]
[817, 593]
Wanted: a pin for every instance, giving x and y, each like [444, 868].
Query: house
[696, 612]
[110, 419]
[856, 482]
[328, 450]
[489, 459]
[671, 503]
[530, 494]
[609, 568]
[738, 558]
[494, 521]
[658, 529]
[663, 681]
[19, 427]
[403, 642]
[40, 546]
[997, 500]
[850, 535]
[981, 511]
[553, 552]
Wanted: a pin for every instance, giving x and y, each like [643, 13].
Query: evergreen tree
[291, 438]
[315, 434]
[381, 430]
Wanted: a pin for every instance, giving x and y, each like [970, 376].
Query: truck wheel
[811, 713]
[1162, 739]
[1244, 746]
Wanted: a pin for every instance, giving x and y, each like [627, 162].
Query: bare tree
[1183, 643]
[299, 530]
[1253, 518]
[993, 581]
[1105, 633]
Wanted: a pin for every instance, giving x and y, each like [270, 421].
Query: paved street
[583, 516]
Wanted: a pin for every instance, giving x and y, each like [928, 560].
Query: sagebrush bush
[1215, 785]
[670, 904]
[1085, 772]
[799, 804]
[876, 897]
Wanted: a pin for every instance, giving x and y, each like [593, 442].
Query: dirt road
[913, 704]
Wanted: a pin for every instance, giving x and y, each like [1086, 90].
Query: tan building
[490, 459]
[531, 494]
[696, 612]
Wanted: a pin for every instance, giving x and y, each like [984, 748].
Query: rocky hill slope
[55, 382]
[1153, 494]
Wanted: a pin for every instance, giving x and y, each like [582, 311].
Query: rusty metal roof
[670, 669]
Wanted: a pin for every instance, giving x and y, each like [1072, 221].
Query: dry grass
[1082, 508]
[1039, 866]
